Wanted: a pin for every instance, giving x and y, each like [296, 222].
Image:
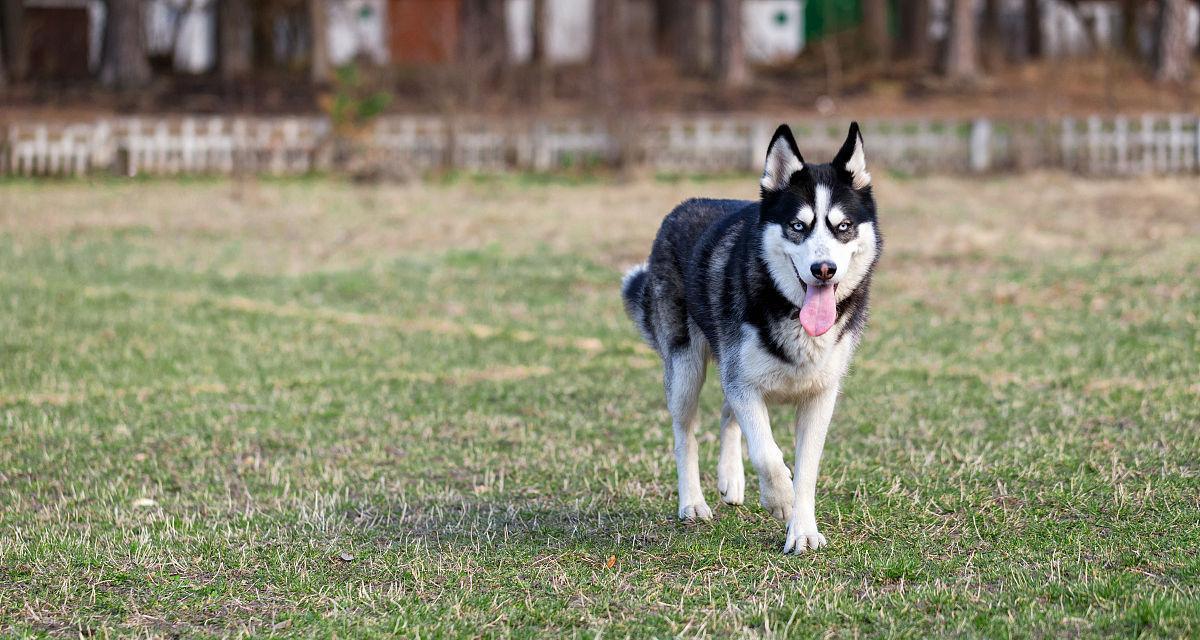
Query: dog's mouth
[819, 310]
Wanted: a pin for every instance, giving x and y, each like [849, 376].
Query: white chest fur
[818, 363]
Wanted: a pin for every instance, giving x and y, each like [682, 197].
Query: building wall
[423, 31]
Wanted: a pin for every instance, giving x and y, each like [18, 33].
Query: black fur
[706, 267]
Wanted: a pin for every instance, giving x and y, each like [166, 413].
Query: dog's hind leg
[731, 476]
[684, 376]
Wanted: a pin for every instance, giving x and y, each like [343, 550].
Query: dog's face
[818, 226]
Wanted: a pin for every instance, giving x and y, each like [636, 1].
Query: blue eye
[843, 227]
[797, 226]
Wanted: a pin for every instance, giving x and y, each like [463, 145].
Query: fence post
[1197, 149]
[760, 137]
[1121, 141]
[981, 145]
[1068, 144]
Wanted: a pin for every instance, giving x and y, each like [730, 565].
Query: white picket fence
[1117, 145]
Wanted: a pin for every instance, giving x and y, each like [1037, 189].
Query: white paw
[776, 495]
[695, 511]
[732, 485]
[801, 539]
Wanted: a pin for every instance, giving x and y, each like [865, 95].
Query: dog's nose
[823, 270]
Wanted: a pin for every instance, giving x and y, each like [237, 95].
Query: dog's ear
[851, 161]
[783, 160]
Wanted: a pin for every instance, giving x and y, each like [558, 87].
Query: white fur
[812, 424]
[781, 163]
[684, 378]
[786, 260]
[752, 377]
[731, 475]
[774, 480]
[806, 215]
[823, 197]
[857, 165]
[835, 215]
[631, 272]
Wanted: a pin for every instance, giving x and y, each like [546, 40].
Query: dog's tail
[633, 293]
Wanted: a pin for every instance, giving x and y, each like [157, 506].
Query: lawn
[313, 408]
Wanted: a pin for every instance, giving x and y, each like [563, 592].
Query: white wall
[773, 30]
[568, 26]
[357, 27]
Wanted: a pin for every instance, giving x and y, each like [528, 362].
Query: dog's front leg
[812, 423]
[774, 479]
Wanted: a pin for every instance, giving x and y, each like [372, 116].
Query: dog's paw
[801, 539]
[732, 485]
[776, 495]
[696, 511]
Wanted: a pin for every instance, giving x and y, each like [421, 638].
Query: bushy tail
[633, 292]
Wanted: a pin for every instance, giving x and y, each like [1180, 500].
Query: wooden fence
[1147, 144]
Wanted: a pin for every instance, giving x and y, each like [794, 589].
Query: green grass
[220, 416]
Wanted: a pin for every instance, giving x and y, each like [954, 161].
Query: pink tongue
[819, 310]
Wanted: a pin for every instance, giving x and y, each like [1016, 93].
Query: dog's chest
[812, 365]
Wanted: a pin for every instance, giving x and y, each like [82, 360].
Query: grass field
[310, 408]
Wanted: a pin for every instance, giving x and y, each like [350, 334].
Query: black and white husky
[776, 291]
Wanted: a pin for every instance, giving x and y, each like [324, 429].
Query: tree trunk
[1174, 57]
[914, 32]
[962, 64]
[678, 31]
[605, 54]
[483, 46]
[321, 68]
[3, 71]
[538, 56]
[1129, 18]
[236, 38]
[14, 37]
[879, 39]
[993, 39]
[732, 71]
[1033, 28]
[125, 64]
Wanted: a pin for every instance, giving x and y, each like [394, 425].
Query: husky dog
[776, 291]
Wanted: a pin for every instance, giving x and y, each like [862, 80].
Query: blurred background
[403, 88]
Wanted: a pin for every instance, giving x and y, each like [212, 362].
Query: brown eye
[797, 226]
[843, 227]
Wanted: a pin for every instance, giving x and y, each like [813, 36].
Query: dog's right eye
[797, 226]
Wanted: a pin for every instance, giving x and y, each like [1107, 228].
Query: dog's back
[656, 293]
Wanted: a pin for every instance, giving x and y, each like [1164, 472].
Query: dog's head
[817, 222]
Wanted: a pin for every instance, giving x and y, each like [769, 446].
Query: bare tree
[1033, 28]
[1173, 58]
[321, 68]
[538, 37]
[606, 58]
[879, 39]
[914, 43]
[14, 35]
[962, 64]
[539, 60]
[125, 65]
[1129, 18]
[483, 46]
[731, 68]
[235, 33]
[993, 39]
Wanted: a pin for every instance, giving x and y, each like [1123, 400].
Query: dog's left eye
[843, 227]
